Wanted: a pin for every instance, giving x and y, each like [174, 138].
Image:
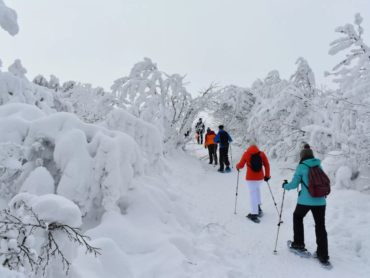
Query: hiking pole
[273, 199]
[236, 196]
[281, 211]
[231, 153]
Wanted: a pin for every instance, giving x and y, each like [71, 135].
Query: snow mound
[51, 208]
[146, 135]
[112, 262]
[39, 182]
[88, 163]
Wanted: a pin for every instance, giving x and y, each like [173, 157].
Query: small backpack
[256, 162]
[319, 183]
[224, 139]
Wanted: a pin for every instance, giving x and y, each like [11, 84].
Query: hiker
[223, 138]
[212, 146]
[187, 133]
[306, 203]
[254, 159]
[200, 130]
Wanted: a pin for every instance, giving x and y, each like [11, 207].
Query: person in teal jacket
[308, 203]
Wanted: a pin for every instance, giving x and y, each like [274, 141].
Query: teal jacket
[301, 173]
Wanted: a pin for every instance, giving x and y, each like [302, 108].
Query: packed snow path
[212, 198]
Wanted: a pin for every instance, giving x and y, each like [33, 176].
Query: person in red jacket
[212, 146]
[254, 159]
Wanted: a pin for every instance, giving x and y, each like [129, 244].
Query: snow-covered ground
[250, 246]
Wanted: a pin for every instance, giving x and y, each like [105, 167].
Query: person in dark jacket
[212, 146]
[308, 203]
[199, 128]
[223, 138]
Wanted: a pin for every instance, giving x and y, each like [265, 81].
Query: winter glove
[285, 182]
[266, 179]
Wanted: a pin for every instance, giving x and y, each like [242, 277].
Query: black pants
[200, 137]
[212, 151]
[318, 213]
[224, 158]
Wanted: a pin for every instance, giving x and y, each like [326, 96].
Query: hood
[211, 132]
[312, 162]
[253, 150]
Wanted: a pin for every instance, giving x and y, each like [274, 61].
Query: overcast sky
[233, 41]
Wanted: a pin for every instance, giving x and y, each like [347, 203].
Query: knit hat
[221, 127]
[208, 129]
[252, 143]
[306, 152]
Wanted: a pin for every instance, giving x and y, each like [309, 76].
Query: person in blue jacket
[223, 138]
[308, 203]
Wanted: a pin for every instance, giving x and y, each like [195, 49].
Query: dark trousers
[200, 138]
[224, 158]
[212, 152]
[318, 213]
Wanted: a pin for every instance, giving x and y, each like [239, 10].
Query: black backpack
[256, 162]
[224, 139]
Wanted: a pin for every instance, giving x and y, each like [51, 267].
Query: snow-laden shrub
[15, 88]
[40, 235]
[155, 97]
[88, 163]
[147, 136]
[91, 105]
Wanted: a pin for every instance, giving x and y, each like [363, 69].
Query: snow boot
[227, 170]
[260, 212]
[298, 249]
[221, 171]
[323, 262]
[253, 218]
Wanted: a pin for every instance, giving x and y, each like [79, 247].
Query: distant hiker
[254, 159]
[200, 130]
[223, 138]
[187, 133]
[308, 203]
[211, 145]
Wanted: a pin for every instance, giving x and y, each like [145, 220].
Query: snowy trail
[212, 198]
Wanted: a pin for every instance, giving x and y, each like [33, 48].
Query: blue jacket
[217, 139]
[301, 173]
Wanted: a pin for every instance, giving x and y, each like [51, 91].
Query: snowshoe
[253, 218]
[227, 170]
[220, 171]
[324, 263]
[299, 250]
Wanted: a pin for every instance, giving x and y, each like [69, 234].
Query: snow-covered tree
[8, 19]
[155, 97]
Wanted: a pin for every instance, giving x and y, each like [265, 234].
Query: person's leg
[259, 193]
[222, 152]
[210, 153]
[215, 153]
[252, 185]
[318, 213]
[201, 138]
[226, 159]
[298, 215]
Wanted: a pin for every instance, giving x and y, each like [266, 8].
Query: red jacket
[246, 158]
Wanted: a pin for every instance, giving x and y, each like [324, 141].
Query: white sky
[233, 41]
